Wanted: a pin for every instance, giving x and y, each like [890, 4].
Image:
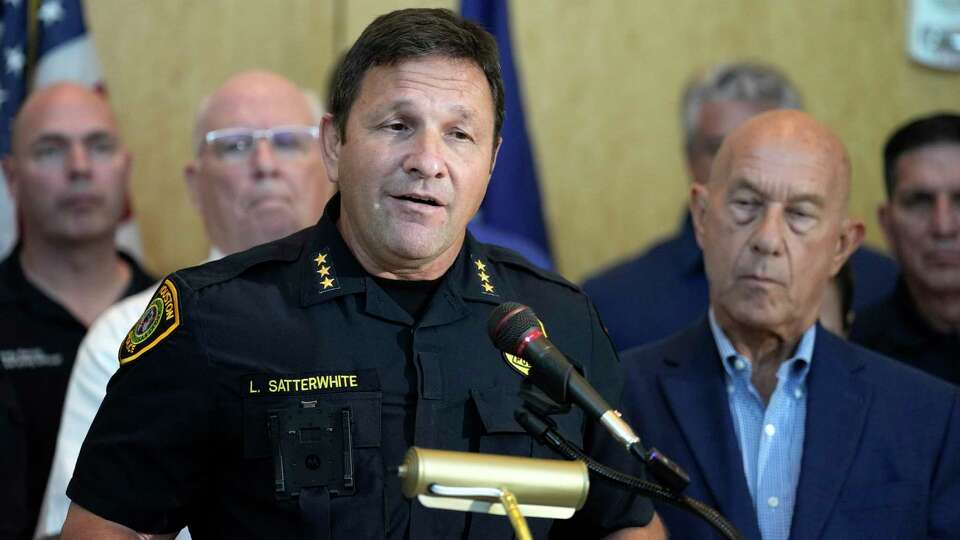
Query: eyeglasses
[236, 144]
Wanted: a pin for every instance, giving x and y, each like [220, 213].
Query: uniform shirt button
[770, 430]
[773, 502]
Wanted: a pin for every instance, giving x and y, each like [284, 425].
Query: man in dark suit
[786, 429]
[663, 290]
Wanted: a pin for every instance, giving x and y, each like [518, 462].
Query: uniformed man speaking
[270, 394]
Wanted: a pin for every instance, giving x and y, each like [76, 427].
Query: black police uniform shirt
[895, 328]
[13, 464]
[183, 436]
[38, 342]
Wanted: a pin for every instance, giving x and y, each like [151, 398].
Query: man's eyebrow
[811, 198]
[399, 105]
[96, 135]
[46, 138]
[465, 112]
[928, 190]
[743, 183]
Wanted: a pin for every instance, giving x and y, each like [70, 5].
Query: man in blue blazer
[786, 429]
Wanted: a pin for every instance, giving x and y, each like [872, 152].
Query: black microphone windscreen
[508, 323]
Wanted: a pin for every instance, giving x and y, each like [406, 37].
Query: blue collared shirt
[771, 437]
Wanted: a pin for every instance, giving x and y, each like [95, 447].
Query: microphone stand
[535, 419]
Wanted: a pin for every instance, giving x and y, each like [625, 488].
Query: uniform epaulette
[285, 250]
[513, 259]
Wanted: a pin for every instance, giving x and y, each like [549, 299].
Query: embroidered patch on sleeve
[158, 321]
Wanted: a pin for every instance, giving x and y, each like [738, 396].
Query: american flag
[43, 42]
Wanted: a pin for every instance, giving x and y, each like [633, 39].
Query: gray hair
[739, 81]
[313, 102]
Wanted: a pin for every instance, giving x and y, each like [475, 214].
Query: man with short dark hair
[663, 290]
[68, 173]
[919, 323]
[790, 431]
[364, 335]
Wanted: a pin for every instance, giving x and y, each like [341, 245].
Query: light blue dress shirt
[771, 437]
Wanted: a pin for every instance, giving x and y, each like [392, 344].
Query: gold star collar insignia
[326, 271]
[486, 286]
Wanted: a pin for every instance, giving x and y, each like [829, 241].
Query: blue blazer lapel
[837, 404]
[697, 396]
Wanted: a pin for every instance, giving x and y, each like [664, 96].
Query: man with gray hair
[257, 176]
[663, 290]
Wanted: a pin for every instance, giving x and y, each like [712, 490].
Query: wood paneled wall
[602, 82]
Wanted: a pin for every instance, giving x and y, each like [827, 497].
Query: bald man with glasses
[256, 176]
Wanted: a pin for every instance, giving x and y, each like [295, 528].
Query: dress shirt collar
[737, 365]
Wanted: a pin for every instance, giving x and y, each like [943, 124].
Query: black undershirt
[412, 296]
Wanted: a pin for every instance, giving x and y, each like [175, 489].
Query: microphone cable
[559, 444]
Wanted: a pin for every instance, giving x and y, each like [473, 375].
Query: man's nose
[264, 161]
[945, 221]
[78, 162]
[768, 237]
[425, 158]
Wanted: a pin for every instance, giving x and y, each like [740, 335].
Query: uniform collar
[796, 367]
[328, 270]
[16, 288]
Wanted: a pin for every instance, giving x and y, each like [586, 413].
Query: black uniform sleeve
[144, 459]
[609, 506]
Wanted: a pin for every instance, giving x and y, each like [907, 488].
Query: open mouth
[419, 199]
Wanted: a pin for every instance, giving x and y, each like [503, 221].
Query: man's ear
[851, 236]
[699, 199]
[330, 145]
[190, 173]
[9, 165]
[885, 218]
[126, 167]
[496, 152]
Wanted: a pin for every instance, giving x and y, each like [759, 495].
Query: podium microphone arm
[545, 434]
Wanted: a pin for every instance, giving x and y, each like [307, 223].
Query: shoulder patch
[158, 321]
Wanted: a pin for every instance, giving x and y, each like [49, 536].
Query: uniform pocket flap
[495, 408]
